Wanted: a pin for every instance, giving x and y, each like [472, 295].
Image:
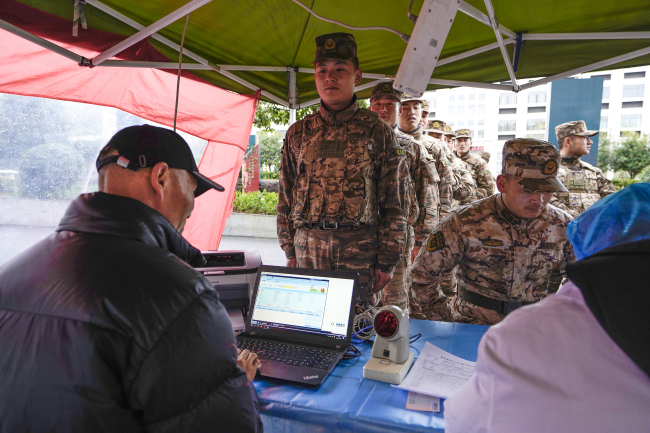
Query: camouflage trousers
[464, 312]
[397, 291]
[345, 249]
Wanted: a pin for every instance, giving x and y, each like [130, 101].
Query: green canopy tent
[245, 46]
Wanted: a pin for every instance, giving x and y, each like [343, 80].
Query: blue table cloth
[346, 402]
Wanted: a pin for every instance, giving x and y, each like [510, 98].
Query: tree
[605, 154]
[270, 151]
[633, 155]
[645, 175]
[268, 114]
[51, 171]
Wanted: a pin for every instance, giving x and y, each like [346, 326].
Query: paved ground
[16, 239]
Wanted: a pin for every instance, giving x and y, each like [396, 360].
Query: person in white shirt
[579, 360]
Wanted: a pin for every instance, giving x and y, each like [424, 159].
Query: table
[346, 402]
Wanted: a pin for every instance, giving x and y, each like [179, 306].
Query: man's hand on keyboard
[247, 361]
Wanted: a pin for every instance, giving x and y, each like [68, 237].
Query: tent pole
[473, 52]
[584, 36]
[455, 83]
[309, 103]
[370, 84]
[40, 41]
[480, 16]
[156, 65]
[148, 31]
[593, 66]
[504, 52]
[115, 14]
[293, 88]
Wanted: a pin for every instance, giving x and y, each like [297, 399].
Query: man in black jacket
[105, 325]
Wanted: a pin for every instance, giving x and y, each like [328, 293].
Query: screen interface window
[310, 304]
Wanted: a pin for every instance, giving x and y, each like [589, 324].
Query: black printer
[234, 275]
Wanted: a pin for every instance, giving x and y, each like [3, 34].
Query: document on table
[422, 402]
[438, 373]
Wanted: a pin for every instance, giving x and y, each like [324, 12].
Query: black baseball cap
[145, 146]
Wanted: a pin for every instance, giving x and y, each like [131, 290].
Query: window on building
[452, 111]
[470, 123]
[461, 97]
[432, 115]
[471, 109]
[536, 136]
[507, 111]
[605, 106]
[472, 96]
[480, 133]
[507, 99]
[632, 104]
[633, 91]
[537, 97]
[505, 137]
[499, 159]
[634, 74]
[461, 123]
[631, 121]
[537, 109]
[481, 96]
[603, 122]
[451, 124]
[481, 121]
[605, 93]
[452, 97]
[536, 125]
[605, 76]
[432, 104]
[481, 109]
[461, 111]
[507, 125]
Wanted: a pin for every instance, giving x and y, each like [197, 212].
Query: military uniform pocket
[299, 196]
[354, 198]
[316, 198]
[541, 266]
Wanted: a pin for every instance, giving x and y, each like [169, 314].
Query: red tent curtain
[204, 110]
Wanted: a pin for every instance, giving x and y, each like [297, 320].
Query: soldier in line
[586, 183]
[481, 173]
[510, 248]
[342, 202]
[451, 138]
[425, 113]
[408, 122]
[423, 213]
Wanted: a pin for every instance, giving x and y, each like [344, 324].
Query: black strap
[502, 307]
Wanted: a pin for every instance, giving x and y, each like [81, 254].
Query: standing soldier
[342, 202]
[425, 113]
[408, 122]
[451, 138]
[423, 213]
[480, 172]
[510, 248]
[586, 183]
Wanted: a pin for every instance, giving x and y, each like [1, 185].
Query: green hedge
[622, 183]
[270, 175]
[256, 202]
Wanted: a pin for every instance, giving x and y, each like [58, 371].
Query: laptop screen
[313, 305]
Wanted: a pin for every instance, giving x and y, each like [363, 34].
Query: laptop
[300, 322]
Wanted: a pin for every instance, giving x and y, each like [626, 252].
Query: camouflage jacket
[443, 167]
[485, 184]
[425, 202]
[465, 189]
[498, 255]
[586, 185]
[344, 167]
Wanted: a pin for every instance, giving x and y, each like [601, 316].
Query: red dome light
[386, 324]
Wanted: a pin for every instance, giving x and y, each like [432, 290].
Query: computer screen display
[318, 305]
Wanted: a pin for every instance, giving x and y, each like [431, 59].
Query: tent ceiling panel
[281, 33]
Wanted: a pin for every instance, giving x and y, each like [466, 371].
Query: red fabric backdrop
[206, 111]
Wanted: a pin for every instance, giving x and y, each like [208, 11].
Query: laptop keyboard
[289, 354]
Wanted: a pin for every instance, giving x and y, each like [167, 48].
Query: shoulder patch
[436, 242]
[492, 242]
[400, 152]
[486, 172]
[428, 157]
[445, 161]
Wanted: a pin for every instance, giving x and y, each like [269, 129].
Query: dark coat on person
[105, 326]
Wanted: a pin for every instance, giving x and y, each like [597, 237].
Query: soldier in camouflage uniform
[342, 204]
[510, 248]
[423, 213]
[425, 113]
[451, 138]
[482, 176]
[586, 183]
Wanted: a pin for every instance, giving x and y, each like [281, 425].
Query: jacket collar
[510, 218]
[338, 118]
[125, 217]
[416, 133]
[570, 160]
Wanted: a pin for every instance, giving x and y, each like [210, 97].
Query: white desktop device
[391, 357]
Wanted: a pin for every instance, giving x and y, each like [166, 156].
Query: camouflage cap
[382, 89]
[436, 126]
[336, 46]
[533, 163]
[448, 131]
[425, 105]
[411, 98]
[576, 127]
[463, 133]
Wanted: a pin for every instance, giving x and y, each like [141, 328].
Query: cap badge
[436, 125]
[386, 88]
[550, 167]
[330, 44]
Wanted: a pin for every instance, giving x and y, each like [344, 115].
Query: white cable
[180, 60]
[404, 37]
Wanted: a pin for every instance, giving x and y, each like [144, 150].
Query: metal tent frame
[503, 35]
